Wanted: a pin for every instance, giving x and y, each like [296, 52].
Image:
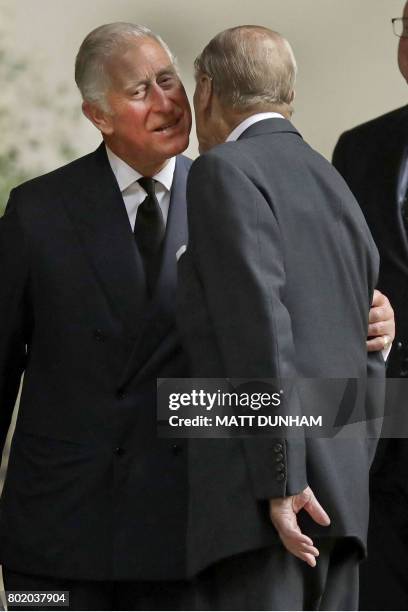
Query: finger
[303, 556]
[379, 329]
[310, 560]
[311, 550]
[378, 298]
[317, 512]
[380, 313]
[300, 499]
[295, 537]
[376, 344]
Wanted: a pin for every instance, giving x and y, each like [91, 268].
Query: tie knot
[148, 184]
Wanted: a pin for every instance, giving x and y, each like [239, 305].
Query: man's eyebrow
[145, 81]
[167, 70]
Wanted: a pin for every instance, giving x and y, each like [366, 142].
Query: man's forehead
[140, 57]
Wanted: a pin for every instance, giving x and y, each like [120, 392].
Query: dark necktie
[149, 232]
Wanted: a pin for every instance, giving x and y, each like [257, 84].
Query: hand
[283, 512]
[381, 327]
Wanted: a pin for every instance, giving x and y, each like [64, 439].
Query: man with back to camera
[373, 159]
[275, 235]
[94, 503]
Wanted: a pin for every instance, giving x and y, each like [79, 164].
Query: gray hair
[251, 67]
[98, 47]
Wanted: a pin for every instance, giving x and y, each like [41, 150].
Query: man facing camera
[94, 503]
[276, 282]
[373, 159]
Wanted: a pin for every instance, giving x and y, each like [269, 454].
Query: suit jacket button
[280, 476]
[279, 457]
[278, 448]
[120, 394]
[98, 335]
[280, 467]
[176, 449]
[404, 373]
[119, 451]
[399, 346]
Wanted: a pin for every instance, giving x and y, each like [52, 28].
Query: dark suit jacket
[277, 281]
[369, 158]
[91, 493]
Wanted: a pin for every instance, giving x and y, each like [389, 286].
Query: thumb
[316, 511]
[377, 298]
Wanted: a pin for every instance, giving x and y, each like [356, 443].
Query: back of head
[252, 68]
[98, 48]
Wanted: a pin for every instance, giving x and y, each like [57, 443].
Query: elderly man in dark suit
[93, 502]
[373, 159]
[276, 240]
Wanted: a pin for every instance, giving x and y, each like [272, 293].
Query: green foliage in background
[36, 124]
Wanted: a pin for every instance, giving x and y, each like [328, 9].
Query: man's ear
[101, 119]
[205, 86]
[292, 96]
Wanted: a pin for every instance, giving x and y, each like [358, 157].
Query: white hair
[97, 49]
[250, 67]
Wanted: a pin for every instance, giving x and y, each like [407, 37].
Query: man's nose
[160, 99]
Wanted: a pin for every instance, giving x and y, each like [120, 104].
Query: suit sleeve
[235, 243]
[13, 279]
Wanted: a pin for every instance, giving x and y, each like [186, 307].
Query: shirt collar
[126, 176]
[241, 127]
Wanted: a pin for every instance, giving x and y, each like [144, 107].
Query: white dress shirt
[133, 194]
[241, 127]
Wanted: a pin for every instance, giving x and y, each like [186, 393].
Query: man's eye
[139, 92]
[167, 81]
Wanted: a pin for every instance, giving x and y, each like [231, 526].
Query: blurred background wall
[345, 49]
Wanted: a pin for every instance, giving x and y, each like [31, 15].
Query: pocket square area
[180, 251]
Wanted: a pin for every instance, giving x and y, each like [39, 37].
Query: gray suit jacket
[277, 282]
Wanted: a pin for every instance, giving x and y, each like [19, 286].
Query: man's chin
[175, 148]
[182, 146]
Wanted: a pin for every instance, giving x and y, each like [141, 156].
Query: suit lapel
[96, 208]
[397, 154]
[160, 312]
[389, 228]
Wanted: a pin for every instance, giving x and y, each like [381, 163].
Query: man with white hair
[276, 240]
[94, 503]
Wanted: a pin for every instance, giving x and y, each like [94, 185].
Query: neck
[144, 167]
[232, 120]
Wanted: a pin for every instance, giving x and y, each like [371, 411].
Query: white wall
[345, 49]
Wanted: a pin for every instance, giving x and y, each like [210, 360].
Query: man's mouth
[168, 126]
